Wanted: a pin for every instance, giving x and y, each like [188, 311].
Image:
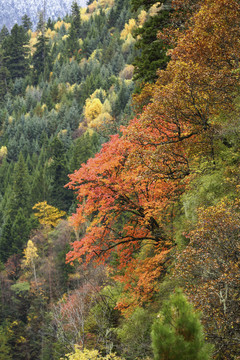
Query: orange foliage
[209, 271]
[126, 192]
[126, 205]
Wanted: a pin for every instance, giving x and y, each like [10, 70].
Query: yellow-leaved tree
[3, 153]
[128, 29]
[93, 108]
[86, 354]
[47, 214]
[30, 255]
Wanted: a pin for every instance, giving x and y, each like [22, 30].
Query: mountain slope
[11, 11]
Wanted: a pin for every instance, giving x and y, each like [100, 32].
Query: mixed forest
[119, 183]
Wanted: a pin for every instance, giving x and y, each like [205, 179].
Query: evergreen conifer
[16, 51]
[177, 334]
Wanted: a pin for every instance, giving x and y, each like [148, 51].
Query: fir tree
[26, 22]
[4, 77]
[19, 232]
[20, 190]
[40, 186]
[3, 33]
[76, 20]
[58, 171]
[153, 51]
[72, 45]
[41, 23]
[41, 58]
[5, 239]
[16, 52]
[85, 147]
[50, 24]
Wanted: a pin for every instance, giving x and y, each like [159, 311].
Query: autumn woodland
[119, 183]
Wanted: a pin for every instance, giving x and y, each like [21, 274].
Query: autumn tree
[30, 255]
[126, 192]
[124, 209]
[90, 354]
[201, 71]
[70, 317]
[208, 269]
[47, 214]
[199, 82]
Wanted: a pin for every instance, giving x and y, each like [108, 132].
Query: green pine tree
[84, 147]
[58, 170]
[153, 51]
[16, 52]
[20, 190]
[40, 186]
[3, 33]
[72, 44]
[5, 239]
[4, 77]
[177, 334]
[26, 22]
[50, 24]
[41, 58]
[41, 25]
[76, 20]
[19, 232]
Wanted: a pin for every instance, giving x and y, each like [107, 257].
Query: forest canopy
[119, 183]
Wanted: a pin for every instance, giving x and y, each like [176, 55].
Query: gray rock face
[11, 11]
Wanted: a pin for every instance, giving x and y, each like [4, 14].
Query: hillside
[12, 11]
[119, 183]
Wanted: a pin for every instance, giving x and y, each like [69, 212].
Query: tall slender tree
[4, 77]
[76, 19]
[20, 191]
[58, 170]
[75, 31]
[26, 22]
[3, 33]
[41, 57]
[153, 51]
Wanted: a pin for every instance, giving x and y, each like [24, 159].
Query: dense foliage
[91, 262]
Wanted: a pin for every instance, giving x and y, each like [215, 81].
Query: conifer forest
[120, 182]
